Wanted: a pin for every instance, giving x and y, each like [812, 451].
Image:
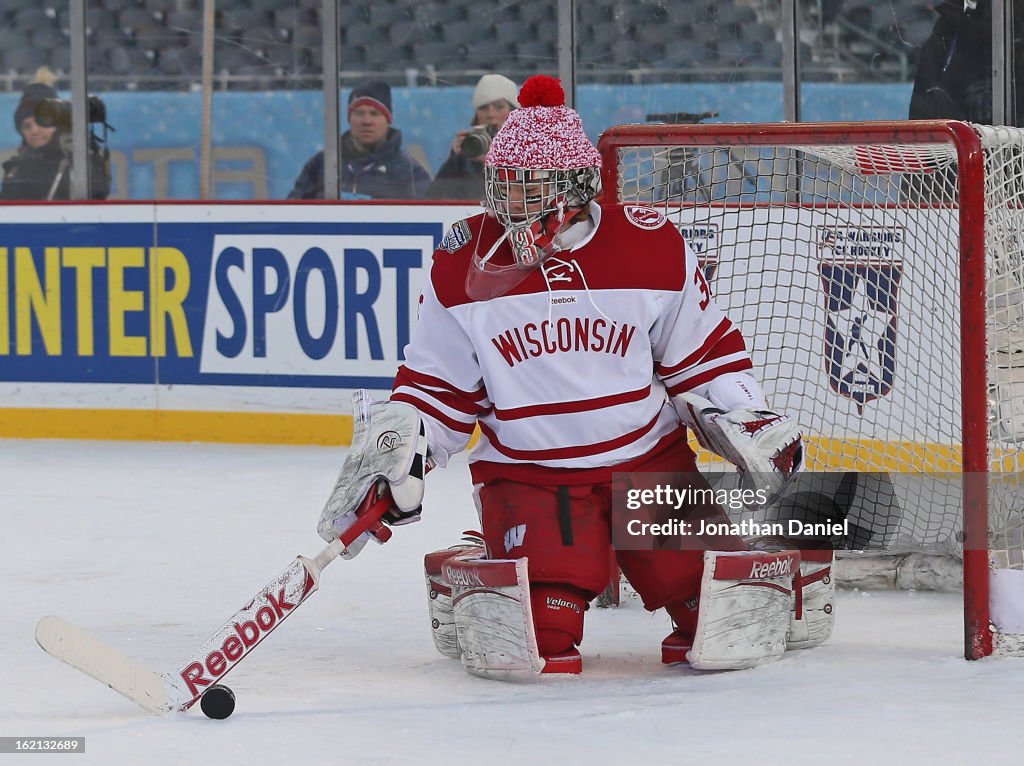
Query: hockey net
[877, 273]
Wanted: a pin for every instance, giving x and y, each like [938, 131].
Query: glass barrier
[441, 68]
[896, 59]
[34, 61]
[1015, 108]
[452, 71]
[682, 62]
[145, 62]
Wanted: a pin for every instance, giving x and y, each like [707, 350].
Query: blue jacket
[385, 173]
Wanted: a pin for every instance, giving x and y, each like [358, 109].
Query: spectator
[41, 167]
[954, 73]
[462, 174]
[373, 164]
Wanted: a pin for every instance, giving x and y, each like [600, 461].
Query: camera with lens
[56, 112]
[478, 141]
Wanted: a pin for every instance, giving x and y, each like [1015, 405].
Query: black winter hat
[34, 92]
[375, 93]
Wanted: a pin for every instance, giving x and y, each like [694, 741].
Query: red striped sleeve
[428, 409]
[448, 399]
[706, 347]
[410, 377]
[725, 351]
[739, 365]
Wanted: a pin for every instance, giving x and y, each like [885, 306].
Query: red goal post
[889, 252]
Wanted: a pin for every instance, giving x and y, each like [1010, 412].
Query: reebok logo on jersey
[514, 537]
[644, 217]
[562, 299]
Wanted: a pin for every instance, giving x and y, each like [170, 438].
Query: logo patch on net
[860, 269]
[703, 238]
[456, 237]
[861, 305]
[644, 217]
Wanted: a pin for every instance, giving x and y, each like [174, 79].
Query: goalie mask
[540, 172]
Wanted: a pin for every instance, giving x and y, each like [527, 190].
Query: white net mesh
[841, 264]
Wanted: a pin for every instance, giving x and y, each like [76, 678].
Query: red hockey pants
[565, 532]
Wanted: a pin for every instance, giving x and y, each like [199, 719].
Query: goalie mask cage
[875, 270]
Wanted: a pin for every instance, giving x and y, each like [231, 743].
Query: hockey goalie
[582, 338]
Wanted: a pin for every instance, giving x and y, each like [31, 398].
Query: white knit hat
[544, 134]
[494, 87]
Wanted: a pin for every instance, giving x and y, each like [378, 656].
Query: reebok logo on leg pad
[744, 612]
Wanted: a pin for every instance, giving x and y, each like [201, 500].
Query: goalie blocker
[387, 458]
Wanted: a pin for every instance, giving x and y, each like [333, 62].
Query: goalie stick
[221, 652]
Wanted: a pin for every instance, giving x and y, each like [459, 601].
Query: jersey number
[702, 285]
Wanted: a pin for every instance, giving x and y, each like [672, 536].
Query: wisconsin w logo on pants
[514, 537]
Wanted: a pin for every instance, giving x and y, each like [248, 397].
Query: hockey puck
[217, 702]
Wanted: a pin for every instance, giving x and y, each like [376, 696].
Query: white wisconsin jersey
[570, 368]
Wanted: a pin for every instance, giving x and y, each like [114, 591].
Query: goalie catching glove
[388, 455]
[765, 447]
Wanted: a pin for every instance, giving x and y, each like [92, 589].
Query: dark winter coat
[385, 173]
[954, 72]
[30, 173]
[459, 178]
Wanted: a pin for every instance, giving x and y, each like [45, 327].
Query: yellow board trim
[823, 454]
[876, 456]
[176, 425]
[179, 426]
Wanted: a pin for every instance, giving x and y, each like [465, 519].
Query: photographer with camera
[41, 168]
[462, 174]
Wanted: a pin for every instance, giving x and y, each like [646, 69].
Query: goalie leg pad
[744, 607]
[439, 598]
[491, 606]
[814, 590]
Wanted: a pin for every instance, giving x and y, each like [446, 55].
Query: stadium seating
[462, 38]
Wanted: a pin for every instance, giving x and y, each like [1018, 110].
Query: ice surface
[153, 546]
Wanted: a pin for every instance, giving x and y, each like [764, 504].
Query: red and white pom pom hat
[544, 134]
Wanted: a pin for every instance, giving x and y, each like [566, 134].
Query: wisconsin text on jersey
[598, 336]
